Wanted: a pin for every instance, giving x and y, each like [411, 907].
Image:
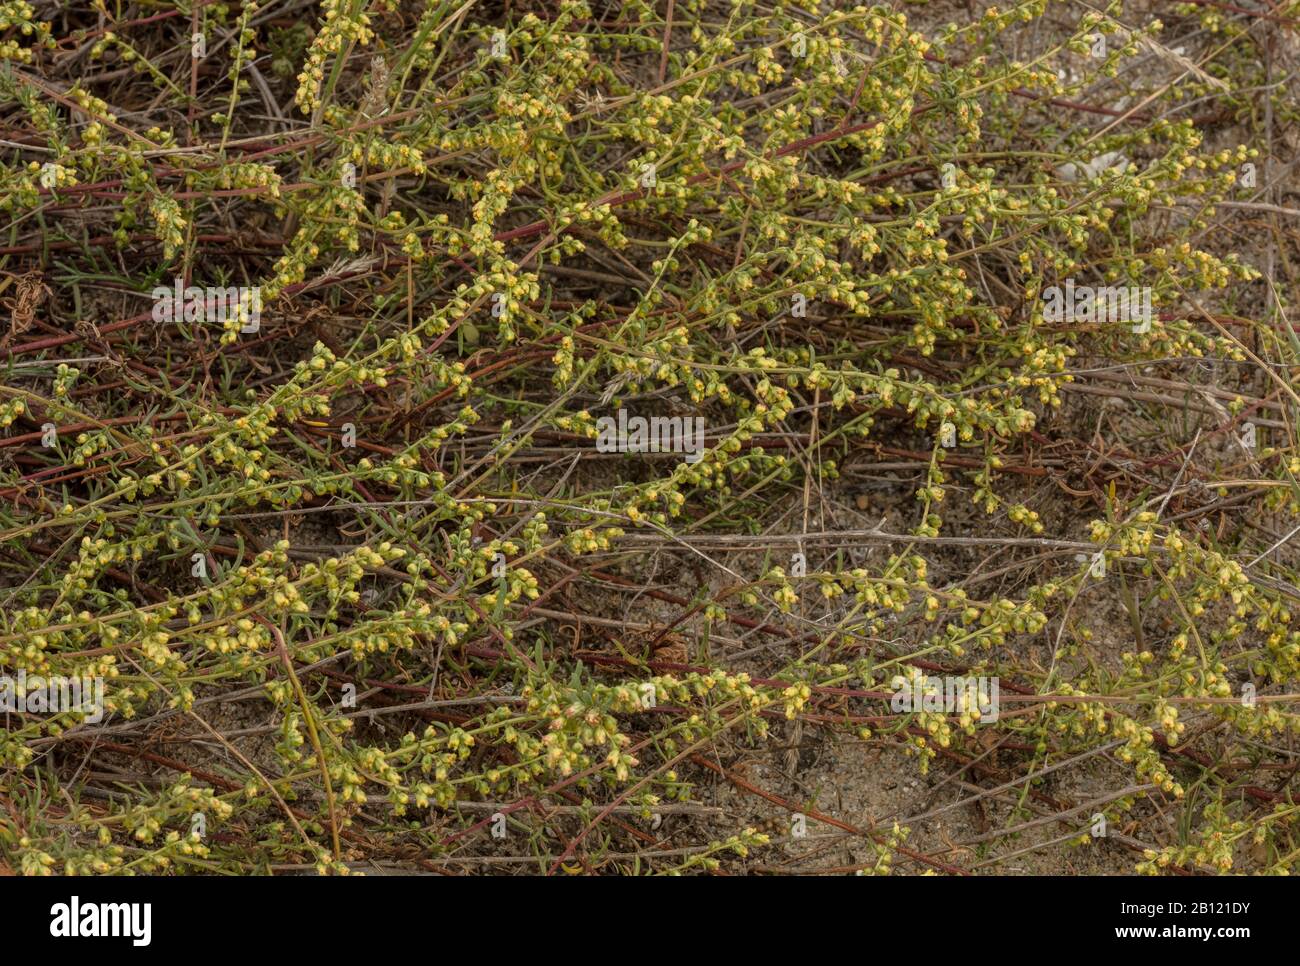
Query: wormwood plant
[359, 585]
